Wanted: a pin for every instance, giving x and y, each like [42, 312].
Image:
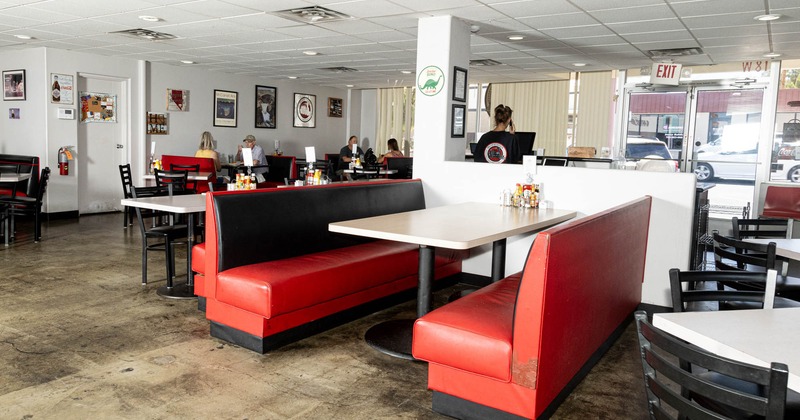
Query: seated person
[206, 149]
[394, 150]
[346, 156]
[258, 154]
[499, 146]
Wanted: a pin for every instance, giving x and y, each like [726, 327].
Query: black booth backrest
[259, 226]
[29, 165]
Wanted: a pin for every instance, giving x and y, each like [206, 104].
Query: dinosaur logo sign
[430, 81]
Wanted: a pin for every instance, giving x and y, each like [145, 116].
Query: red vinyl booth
[206, 165]
[518, 346]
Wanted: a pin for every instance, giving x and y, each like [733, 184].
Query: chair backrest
[176, 179]
[179, 167]
[670, 388]
[732, 254]
[42, 185]
[140, 192]
[127, 179]
[761, 228]
[691, 291]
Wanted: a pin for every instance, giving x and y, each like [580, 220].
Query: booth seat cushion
[782, 202]
[473, 333]
[281, 286]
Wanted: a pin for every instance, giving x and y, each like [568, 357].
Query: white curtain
[391, 117]
[542, 107]
[595, 98]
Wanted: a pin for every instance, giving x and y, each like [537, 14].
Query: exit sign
[665, 74]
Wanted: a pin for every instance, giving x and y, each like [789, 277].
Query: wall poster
[305, 110]
[98, 107]
[225, 108]
[61, 88]
[266, 104]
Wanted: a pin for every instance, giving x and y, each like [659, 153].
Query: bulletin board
[98, 107]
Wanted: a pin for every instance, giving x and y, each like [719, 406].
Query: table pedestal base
[178, 291]
[392, 337]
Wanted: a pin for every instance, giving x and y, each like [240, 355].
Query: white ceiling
[379, 40]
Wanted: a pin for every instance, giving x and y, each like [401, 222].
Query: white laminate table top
[189, 203]
[192, 176]
[9, 177]
[755, 336]
[789, 248]
[370, 171]
[457, 226]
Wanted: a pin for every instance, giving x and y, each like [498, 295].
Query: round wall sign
[430, 81]
[305, 109]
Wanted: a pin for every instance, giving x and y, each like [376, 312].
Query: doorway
[101, 148]
[712, 131]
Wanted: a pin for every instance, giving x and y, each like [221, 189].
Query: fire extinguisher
[63, 161]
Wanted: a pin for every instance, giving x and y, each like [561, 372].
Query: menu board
[98, 107]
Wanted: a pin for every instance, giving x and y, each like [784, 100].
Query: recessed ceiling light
[310, 53]
[767, 18]
[405, 71]
[772, 55]
[349, 85]
[150, 18]
[23, 37]
[579, 64]
[516, 37]
[187, 61]
[293, 77]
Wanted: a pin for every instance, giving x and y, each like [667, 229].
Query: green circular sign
[430, 81]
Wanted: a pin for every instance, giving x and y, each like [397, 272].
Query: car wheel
[704, 172]
[794, 174]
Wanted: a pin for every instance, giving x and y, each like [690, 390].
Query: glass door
[711, 131]
[725, 125]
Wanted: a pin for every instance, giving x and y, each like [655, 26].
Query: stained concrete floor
[81, 338]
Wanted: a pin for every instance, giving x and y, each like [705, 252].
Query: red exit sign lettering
[665, 74]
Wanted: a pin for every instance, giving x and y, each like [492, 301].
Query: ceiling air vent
[313, 14]
[339, 69]
[674, 52]
[484, 62]
[145, 34]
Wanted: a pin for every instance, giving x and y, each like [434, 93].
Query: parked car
[739, 164]
[642, 148]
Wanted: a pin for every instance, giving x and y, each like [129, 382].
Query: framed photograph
[13, 113]
[266, 104]
[335, 107]
[62, 89]
[13, 85]
[98, 107]
[177, 100]
[459, 84]
[157, 123]
[225, 110]
[459, 118]
[305, 110]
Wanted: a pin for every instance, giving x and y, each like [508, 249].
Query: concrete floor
[81, 338]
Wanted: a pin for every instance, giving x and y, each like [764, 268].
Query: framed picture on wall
[266, 105]
[157, 123]
[335, 107]
[177, 100]
[61, 88]
[13, 85]
[305, 110]
[459, 116]
[225, 106]
[459, 84]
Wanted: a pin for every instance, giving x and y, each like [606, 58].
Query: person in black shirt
[499, 145]
[346, 156]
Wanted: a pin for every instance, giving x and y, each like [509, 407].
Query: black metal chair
[190, 185]
[749, 392]
[27, 206]
[177, 180]
[5, 222]
[760, 228]
[734, 255]
[697, 291]
[166, 236]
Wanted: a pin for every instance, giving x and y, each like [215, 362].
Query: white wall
[23, 136]
[368, 131]
[185, 128]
